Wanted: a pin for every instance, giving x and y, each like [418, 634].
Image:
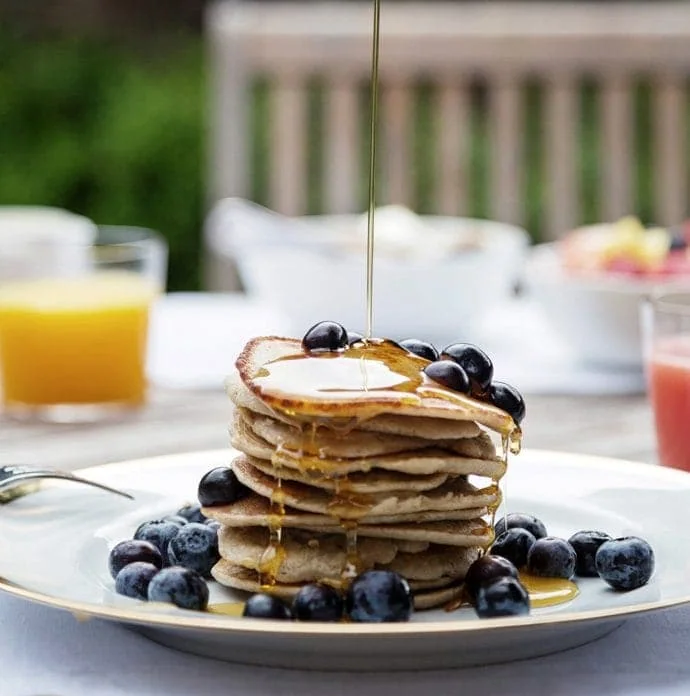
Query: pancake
[357, 443]
[431, 460]
[376, 481]
[424, 427]
[455, 494]
[324, 442]
[247, 580]
[309, 556]
[471, 532]
[255, 511]
[261, 355]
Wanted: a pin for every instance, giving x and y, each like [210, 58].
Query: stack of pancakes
[342, 482]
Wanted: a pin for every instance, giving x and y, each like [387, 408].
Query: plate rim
[187, 620]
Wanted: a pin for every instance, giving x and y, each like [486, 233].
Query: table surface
[47, 652]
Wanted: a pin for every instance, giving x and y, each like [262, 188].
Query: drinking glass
[74, 323]
[666, 331]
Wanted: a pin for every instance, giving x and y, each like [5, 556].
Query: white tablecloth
[44, 652]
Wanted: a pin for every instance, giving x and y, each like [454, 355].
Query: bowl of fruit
[590, 285]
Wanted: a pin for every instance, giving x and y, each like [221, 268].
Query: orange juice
[75, 340]
[669, 373]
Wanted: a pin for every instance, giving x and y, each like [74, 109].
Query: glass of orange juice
[666, 328]
[74, 324]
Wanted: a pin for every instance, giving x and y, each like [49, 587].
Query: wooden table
[184, 421]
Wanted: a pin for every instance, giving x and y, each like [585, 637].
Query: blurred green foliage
[110, 132]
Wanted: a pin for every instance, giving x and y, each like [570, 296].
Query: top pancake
[353, 385]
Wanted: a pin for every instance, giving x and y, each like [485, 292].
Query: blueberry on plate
[379, 596]
[449, 374]
[502, 597]
[134, 579]
[220, 486]
[195, 546]
[179, 586]
[265, 606]
[177, 519]
[551, 557]
[626, 563]
[160, 533]
[316, 602]
[508, 399]
[421, 348]
[586, 545]
[485, 570]
[514, 544]
[474, 361]
[325, 336]
[192, 513]
[520, 519]
[131, 551]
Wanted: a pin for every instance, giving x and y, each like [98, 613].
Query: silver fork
[15, 481]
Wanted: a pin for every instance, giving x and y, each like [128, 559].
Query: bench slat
[670, 175]
[396, 124]
[616, 146]
[452, 127]
[288, 169]
[506, 124]
[561, 121]
[342, 149]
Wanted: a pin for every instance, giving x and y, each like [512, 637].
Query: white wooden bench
[502, 46]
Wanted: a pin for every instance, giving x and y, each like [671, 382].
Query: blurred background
[105, 110]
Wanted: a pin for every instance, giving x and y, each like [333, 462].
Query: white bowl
[598, 315]
[313, 268]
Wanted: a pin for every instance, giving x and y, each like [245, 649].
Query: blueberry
[220, 486]
[265, 606]
[177, 519]
[625, 563]
[354, 337]
[377, 596]
[514, 544]
[520, 519]
[486, 570]
[474, 361]
[133, 580]
[551, 557]
[449, 374]
[180, 586]
[325, 336]
[130, 551]
[502, 597]
[508, 399]
[421, 348]
[160, 534]
[586, 545]
[195, 546]
[317, 603]
[192, 513]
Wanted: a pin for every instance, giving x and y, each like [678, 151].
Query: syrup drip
[274, 555]
[548, 592]
[373, 123]
[227, 608]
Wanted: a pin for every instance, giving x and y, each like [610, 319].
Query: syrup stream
[372, 168]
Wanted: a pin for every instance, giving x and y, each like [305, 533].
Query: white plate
[54, 546]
